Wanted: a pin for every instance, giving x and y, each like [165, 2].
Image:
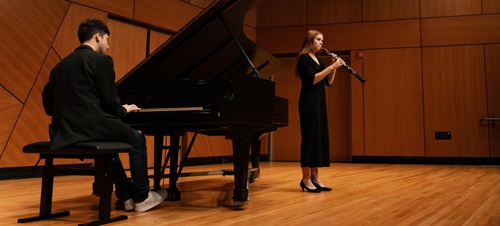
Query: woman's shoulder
[304, 57]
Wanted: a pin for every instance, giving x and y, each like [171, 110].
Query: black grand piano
[208, 78]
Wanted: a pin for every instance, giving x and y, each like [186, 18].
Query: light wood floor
[363, 194]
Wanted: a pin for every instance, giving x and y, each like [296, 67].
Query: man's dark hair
[89, 28]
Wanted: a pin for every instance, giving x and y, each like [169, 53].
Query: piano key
[171, 109]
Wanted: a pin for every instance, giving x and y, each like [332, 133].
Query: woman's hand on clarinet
[337, 63]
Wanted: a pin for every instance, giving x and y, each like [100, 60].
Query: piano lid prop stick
[362, 80]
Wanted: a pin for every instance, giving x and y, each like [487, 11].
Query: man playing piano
[82, 99]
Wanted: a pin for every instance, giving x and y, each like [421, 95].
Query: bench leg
[46, 195]
[105, 189]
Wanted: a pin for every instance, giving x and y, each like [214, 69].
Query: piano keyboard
[171, 109]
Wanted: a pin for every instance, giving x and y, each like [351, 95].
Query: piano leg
[173, 151]
[255, 148]
[241, 153]
[173, 192]
[158, 154]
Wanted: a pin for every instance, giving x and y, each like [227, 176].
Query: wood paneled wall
[440, 8]
[287, 139]
[394, 121]
[403, 43]
[465, 30]
[38, 34]
[454, 94]
[492, 54]
[429, 65]
[29, 29]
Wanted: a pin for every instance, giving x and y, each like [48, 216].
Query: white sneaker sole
[154, 199]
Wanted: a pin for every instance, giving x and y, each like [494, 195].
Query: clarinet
[362, 80]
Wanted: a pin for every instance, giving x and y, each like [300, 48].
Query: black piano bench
[102, 152]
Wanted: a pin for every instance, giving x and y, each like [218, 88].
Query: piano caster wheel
[238, 205]
[254, 174]
[173, 195]
[251, 179]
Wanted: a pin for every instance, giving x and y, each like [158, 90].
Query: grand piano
[208, 78]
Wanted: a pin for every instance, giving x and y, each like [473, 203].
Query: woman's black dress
[315, 148]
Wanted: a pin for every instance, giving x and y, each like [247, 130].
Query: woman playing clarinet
[315, 149]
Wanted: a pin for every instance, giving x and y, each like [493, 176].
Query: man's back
[82, 99]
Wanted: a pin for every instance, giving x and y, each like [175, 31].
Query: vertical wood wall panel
[33, 123]
[393, 103]
[274, 41]
[461, 30]
[286, 141]
[28, 29]
[390, 9]
[9, 112]
[440, 8]
[491, 6]
[333, 11]
[339, 114]
[124, 8]
[492, 54]
[66, 40]
[156, 40]
[127, 46]
[279, 13]
[386, 34]
[207, 146]
[171, 15]
[455, 100]
[357, 107]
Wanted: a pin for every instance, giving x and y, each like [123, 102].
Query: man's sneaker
[154, 198]
[128, 204]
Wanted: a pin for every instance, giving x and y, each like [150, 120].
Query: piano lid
[208, 47]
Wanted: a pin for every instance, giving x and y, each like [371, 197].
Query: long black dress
[315, 148]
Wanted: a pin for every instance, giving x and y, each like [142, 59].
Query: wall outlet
[442, 135]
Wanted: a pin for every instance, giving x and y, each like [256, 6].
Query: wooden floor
[363, 194]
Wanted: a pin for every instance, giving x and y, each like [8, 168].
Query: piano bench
[102, 152]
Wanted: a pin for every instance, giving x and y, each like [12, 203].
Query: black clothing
[315, 148]
[82, 99]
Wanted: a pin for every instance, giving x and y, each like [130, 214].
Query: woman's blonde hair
[308, 41]
[307, 45]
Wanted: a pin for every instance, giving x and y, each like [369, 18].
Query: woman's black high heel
[302, 185]
[321, 188]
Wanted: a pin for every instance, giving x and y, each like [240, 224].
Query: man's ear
[97, 37]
